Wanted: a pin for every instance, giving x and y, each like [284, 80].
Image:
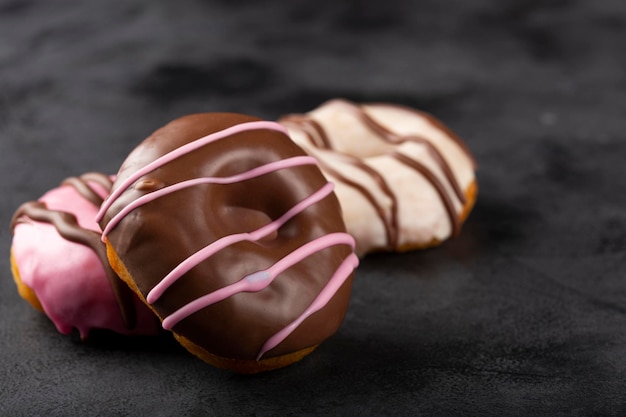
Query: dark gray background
[523, 314]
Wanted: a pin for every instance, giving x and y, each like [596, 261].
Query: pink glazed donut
[59, 262]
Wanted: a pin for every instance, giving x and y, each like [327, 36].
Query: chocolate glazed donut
[232, 235]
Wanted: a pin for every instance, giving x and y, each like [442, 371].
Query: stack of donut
[238, 241]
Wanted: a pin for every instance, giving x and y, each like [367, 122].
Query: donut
[231, 234]
[404, 180]
[60, 267]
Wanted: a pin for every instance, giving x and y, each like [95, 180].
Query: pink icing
[259, 280]
[183, 150]
[256, 172]
[336, 281]
[256, 281]
[68, 278]
[220, 244]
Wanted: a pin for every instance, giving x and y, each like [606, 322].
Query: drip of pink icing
[260, 279]
[255, 172]
[183, 150]
[225, 241]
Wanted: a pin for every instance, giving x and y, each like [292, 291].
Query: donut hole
[255, 203]
[248, 220]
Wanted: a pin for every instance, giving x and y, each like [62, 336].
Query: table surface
[523, 314]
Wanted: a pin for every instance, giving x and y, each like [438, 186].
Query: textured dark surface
[523, 314]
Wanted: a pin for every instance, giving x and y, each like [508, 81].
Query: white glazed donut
[403, 179]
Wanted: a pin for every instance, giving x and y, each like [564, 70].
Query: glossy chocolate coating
[154, 238]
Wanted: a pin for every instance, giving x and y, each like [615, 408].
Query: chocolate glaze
[68, 228]
[319, 137]
[157, 236]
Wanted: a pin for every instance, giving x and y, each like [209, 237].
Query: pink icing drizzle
[255, 172]
[183, 150]
[256, 281]
[225, 241]
[336, 281]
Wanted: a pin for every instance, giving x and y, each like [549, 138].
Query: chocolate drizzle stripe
[445, 198]
[102, 179]
[391, 137]
[68, 228]
[86, 190]
[437, 124]
[304, 127]
[390, 221]
[313, 130]
[64, 222]
[304, 123]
